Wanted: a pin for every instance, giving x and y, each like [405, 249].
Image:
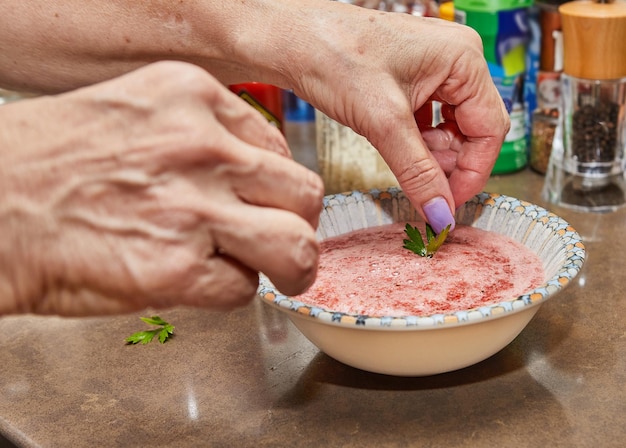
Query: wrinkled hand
[391, 66]
[158, 188]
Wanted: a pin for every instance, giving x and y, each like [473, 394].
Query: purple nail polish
[438, 214]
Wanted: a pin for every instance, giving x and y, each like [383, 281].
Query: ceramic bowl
[432, 344]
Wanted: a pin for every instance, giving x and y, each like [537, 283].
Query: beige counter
[249, 379]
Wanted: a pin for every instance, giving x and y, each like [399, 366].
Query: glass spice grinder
[586, 169]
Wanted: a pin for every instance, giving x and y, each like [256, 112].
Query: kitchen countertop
[248, 378]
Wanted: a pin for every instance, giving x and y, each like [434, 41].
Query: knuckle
[175, 77]
[225, 285]
[315, 189]
[180, 72]
[304, 261]
[471, 37]
[313, 197]
[245, 292]
[291, 264]
[271, 137]
[418, 174]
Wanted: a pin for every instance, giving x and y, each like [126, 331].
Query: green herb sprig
[164, 331]
[415, 243]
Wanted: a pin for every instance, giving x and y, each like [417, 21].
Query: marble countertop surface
[247, 378]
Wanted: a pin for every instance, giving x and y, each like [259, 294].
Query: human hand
[374, 71]
[157, 188]
[379, 72]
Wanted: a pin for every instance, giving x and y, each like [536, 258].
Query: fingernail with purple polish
[438, 214]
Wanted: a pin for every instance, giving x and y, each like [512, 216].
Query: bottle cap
[491, 5]
[446, 11]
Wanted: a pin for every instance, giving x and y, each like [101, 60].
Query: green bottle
[504, 28]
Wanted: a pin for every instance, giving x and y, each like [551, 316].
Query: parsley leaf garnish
[164, 331]
[415, 243]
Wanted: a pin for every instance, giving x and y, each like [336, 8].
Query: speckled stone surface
[249, 379]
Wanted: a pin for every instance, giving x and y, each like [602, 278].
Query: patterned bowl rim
[569, 237]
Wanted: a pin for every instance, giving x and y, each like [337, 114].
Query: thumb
[419, 175]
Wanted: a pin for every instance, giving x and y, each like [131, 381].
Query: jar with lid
[586, 170]
[548, 85]
[544, 124]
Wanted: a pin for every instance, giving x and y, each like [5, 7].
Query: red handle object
[265, 98]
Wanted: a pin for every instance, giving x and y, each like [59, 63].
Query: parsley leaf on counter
[415, 243]
[145, 337]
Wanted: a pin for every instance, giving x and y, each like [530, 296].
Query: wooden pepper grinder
[586, 170]
[594, 38]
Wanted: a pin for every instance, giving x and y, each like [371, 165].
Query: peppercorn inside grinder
[586, 169]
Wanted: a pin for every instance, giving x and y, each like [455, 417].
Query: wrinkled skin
[161, 187]
[183, 207]
[391, 85]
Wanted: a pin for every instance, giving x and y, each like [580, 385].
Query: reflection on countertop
[248, 378]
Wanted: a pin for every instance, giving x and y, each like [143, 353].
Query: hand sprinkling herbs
[145, 337]
[415, 243]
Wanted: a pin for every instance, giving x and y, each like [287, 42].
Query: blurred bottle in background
[532, 68]
[504, 28]
[446, 10]
[295, 108]
[545, 116]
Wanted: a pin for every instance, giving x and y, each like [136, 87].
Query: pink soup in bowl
[379, 307]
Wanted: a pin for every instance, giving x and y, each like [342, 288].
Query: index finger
[417, 171]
